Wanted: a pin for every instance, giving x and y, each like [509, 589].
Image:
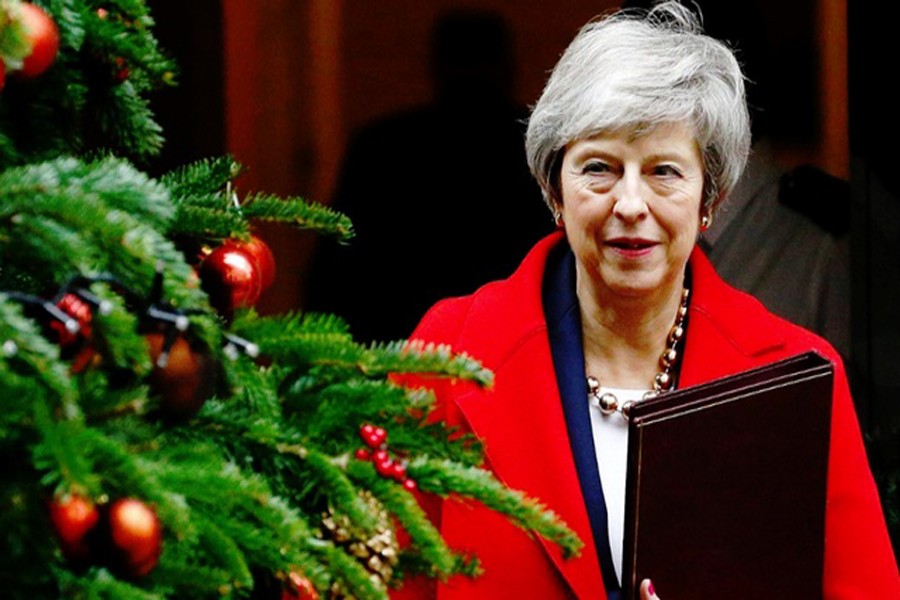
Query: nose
[630, 201]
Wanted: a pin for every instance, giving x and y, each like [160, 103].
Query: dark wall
[192, 112]
[874, 136]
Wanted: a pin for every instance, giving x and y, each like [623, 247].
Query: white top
[611, 446]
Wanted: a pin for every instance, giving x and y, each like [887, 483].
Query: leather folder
[726, 485]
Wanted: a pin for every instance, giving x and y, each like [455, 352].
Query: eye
[666, 170]
[596, 167]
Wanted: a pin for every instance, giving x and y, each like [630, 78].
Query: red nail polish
[650, 589]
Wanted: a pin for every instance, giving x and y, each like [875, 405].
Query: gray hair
[633, 71]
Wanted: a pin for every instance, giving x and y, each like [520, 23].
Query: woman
[640, 133]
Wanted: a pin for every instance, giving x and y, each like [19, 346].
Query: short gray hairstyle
[633, 71]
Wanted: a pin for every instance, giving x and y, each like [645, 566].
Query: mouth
[631, 244]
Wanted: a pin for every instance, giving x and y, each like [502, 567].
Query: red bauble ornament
[380, 456]
[410, 485]
[299, 587]
[43, 37]
[231, 278]
[264, 258]
[135, 536]
[79, 310]
[74, 517]
[363, 454]
[186, 379]
[75, 345]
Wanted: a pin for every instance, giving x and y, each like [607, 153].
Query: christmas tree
[162, 439]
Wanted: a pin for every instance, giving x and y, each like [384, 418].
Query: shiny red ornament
[265, 260]
[185, 380]
[380, 456]
[135, 536]
[73, 518]
[363, 454]
[79, 310]
[42, 35]
[299, 587]
[410, 485]
[231, 278]
[75, 345]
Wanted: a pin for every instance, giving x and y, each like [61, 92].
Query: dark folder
[726, 486]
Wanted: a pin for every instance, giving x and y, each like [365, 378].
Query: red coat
[522, 425]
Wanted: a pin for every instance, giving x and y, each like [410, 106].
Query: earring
[557, 218]
[705, 221]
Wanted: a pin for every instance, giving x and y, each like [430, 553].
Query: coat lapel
[718, 342]
[528, 449]
[522, 420]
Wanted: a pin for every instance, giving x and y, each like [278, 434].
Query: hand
[647, 591]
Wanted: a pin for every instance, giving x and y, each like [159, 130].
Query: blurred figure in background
[440, 196]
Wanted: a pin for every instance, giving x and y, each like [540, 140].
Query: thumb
[647, 591]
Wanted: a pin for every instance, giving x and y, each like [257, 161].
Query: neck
[624, 337]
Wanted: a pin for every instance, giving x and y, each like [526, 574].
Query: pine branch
[342, 494]
[415, 357]
[99, 583]
[425, 537]
[203, 178]
[198, 221]
[444, 477]
[298, 213]
[34, 356]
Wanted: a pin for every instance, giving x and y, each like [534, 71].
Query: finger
[647, 591]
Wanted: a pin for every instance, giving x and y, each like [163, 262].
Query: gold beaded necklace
[664, 380]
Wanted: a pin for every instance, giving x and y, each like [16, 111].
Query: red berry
[136, 536]
[410, 484]
[231, 278]
[385, 468]
[363, 454]
[43, 37]
[398, 471]
[380, 456]
[372, 436]
[73, 517]
[299, 588]
[122, 71]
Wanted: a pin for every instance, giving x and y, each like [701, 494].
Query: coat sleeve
[859, 561]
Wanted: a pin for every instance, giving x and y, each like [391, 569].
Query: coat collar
[522, 419]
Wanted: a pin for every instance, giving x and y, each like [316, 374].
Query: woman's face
[631, 207]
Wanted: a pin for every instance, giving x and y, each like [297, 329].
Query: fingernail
[650, 589]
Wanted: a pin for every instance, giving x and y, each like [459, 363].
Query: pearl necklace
[663, 382]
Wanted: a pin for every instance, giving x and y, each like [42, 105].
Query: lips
[631, 247]
[630, 243]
